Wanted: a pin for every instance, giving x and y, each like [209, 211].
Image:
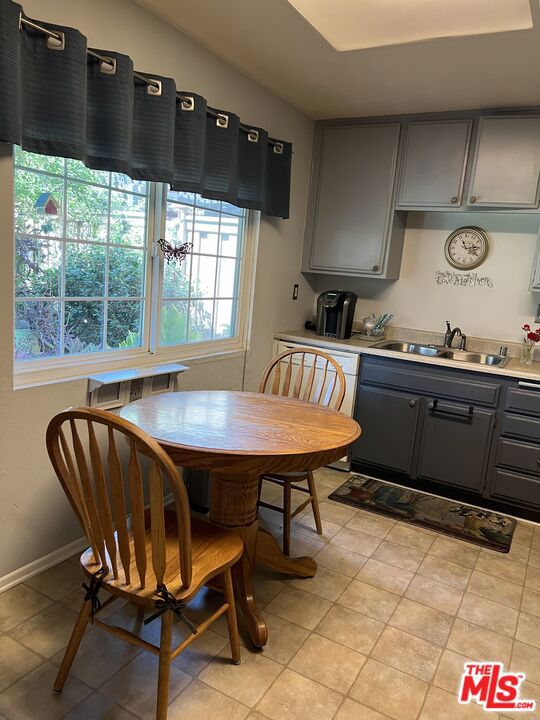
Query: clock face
[466, 248]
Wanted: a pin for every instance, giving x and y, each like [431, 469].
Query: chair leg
[73, 645]
[259, 490]
[315, 502]
[140, 613]
[164, 666]
[286, 518]
[231, 617]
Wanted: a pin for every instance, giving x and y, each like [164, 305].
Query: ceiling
[272, 43]
[361, 24]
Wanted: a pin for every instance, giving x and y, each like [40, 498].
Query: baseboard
[47, 561]
[41, 564]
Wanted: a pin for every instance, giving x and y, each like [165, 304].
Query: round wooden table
[240, 436]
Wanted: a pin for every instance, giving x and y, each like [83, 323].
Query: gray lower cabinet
[352, 228]
[389, 423]
[515, 472]
[433, 164]
[471, 436]
[506, 162]
[455, 443]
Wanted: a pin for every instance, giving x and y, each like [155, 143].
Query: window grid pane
[81, 256]
[200, 296]
[66, 300]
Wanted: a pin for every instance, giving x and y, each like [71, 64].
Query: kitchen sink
[475, 358]
[412, 348]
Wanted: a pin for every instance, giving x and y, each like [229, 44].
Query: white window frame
[27, 373]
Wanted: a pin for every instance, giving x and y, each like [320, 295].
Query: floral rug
[465, 522]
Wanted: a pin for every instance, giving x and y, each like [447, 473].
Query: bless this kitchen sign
[471, 279]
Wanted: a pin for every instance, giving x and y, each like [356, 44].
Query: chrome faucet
[450, 334]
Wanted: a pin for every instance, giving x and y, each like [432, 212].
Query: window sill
[24, 379]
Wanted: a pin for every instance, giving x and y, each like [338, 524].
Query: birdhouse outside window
[47, 204]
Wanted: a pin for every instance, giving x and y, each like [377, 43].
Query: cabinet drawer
[439, 384]
[524, 401]
[519, 455]
[516, 487]
[521, 426]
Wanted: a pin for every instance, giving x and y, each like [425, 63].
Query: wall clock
[466, 247]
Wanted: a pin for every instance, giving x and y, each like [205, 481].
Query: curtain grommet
[154, 87]
[108, 66]
[222, 120]
[253, 136]
[278, 148]
[187, 103]
[56, 41]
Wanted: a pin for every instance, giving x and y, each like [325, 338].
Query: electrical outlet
[295, 291]
[136, 389]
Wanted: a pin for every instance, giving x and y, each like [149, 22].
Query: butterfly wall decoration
[174, 252]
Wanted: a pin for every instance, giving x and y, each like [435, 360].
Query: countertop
[513, 368]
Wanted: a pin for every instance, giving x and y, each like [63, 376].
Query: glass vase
[527, 352]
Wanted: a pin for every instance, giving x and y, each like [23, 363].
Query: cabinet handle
[375, 268]
[473, 199]
[412, 403]
[467, 413]
[453, 200]
[538, 462]
[533, 386]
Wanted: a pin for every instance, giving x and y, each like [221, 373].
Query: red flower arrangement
[533, 335]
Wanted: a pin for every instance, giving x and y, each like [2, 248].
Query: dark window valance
[59, 97]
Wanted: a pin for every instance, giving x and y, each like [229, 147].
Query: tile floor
[382, 631]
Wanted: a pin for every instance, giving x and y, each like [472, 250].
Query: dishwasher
[349, 363]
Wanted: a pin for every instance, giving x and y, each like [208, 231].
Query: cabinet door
[506, 164]
[434, 161]
[455, 444]
[388, 420]
[354, 198]
[534, 285]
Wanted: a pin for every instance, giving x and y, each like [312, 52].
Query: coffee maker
[335, 313]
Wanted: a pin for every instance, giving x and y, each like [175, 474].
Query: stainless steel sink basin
[411, 348]
[464, 356]
[474, 357]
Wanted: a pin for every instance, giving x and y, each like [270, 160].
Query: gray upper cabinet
[534, 285]
[352, 228]
[506, 163]
[433, 165]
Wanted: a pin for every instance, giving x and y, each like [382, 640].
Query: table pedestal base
[234, 506]
[270, 554]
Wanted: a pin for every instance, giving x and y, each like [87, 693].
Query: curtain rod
[108, 66]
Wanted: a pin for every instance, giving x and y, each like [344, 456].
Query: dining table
[239, 437]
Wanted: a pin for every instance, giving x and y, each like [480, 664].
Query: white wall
[417, 302]
[35, 518]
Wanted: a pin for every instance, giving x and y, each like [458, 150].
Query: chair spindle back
[100, 494]
[307, 374]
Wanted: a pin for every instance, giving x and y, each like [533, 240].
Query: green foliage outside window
[46, 258]
[81, 259]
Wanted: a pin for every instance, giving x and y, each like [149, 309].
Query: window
[89, 282]
[199, 298]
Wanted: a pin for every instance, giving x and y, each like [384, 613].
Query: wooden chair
[156, 558]
[313, 376]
